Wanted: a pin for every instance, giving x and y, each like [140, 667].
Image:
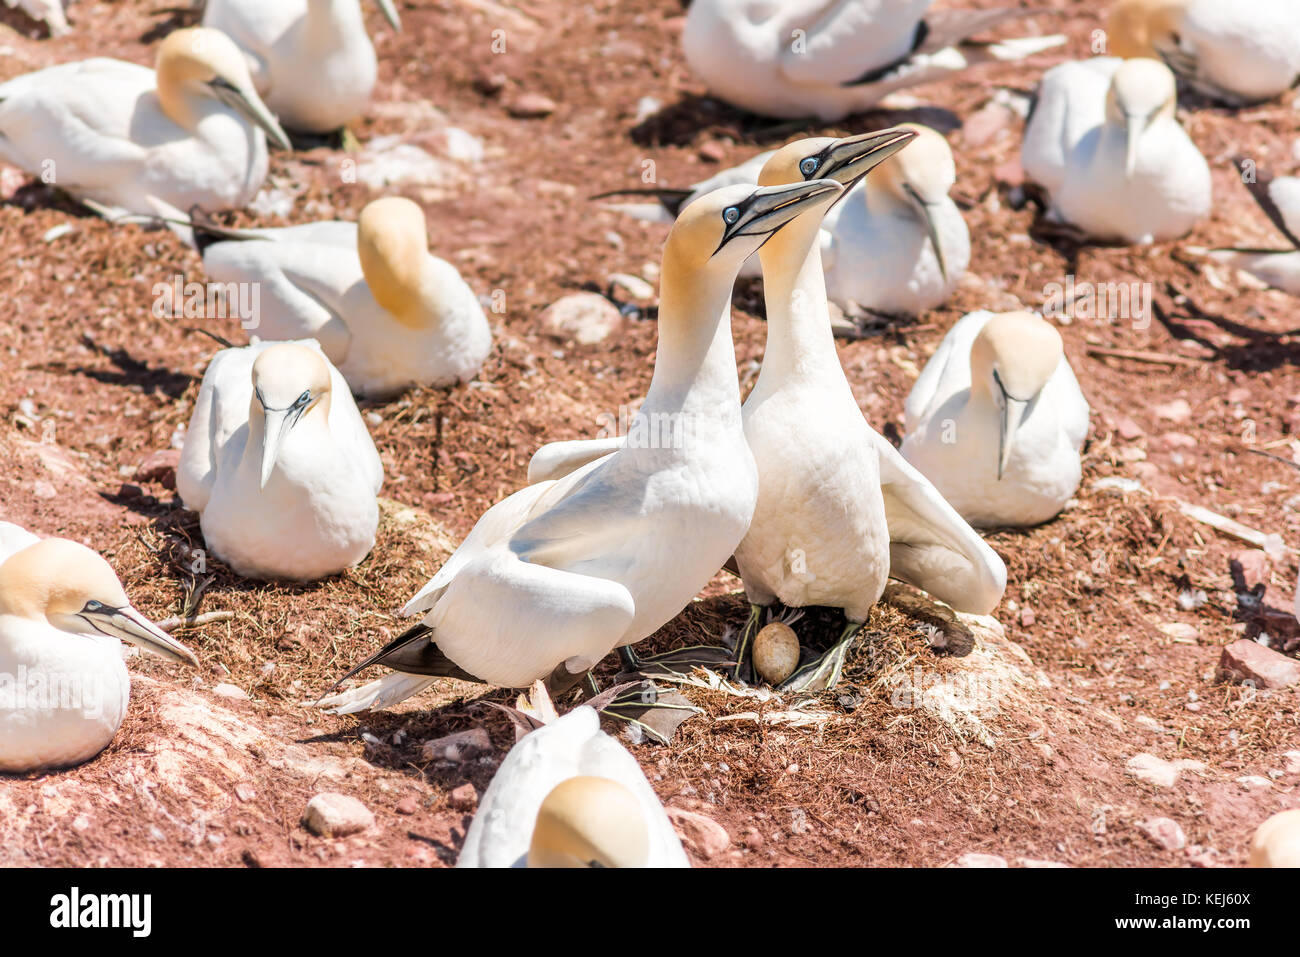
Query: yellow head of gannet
[290, 382]
[1141, 92]
[844, 160]
[74, 590]
[1277, 841]
[394, 248]
[1011, 360]
[198, 62]
[1136, 28]
[589, 822]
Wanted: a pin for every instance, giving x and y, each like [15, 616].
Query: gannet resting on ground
[1236, 53]
[13, 539]
[143, 142]
[64, 691]
[1117, 166]
[1277, 841]
[569, 795]
[49, 12]
[559, 574]
[996, 420]
[830, 58]
[311, 59]
[386, 312]
[1279, 197]
[279, 465]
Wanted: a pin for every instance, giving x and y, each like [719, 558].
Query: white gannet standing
[141, 141]
[63, 684]
[569, 795]
[839, 510]
[829, 58]
[1117, 167]
[311, 59]
[1279, 197]
[279, 465]
[13, 539]
[996, 420]
[1236, 53]
[559, 574]
[899, 244]
[49, 12]
[387, 313]
[1277, 841]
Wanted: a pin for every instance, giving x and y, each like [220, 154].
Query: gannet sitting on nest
[1236, 53]
[996, 420]
[311, 59]
[1279, 197]
[279, 465]
[1104, 142]
[569, 795]
[49, 12]
[387, 313]
[559, 574]
[127, 139]
[830, 58]
[63, 684]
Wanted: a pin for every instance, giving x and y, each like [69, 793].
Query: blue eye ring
[730, 215]
[809, 166]
[304, 398]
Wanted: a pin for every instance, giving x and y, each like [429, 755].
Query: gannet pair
[559, 574]
[311, 59]
[1238, 53]
[1279, 197]
[569, 795]
[63, 684]
[839, 510]
[896, 243]
[386, 312]
[146, 142]
[830, 58]
[996, 420]
[1104, 142]
[279, 465]
[49, 12]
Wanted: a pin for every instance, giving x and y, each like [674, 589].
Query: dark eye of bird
[304, 398]
[730, 215]
[93, 606]
[808, 166]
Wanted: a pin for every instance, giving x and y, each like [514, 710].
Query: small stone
[225, 690]
[1164, 832]
[1176, 411]
[463, 798]
[1254, 782]
[407, 805]
[130, 492]
[1034, 862]
[160, 467]
[583, 317]
[1161, 773]
[490, 84]
[1178, 440]
[1254, 565]
[336, 815]
[1027, 617]
[1292, 762]
[1245, 661]
[1179, 630]
[979, 860]
[244, 792]
[459, 746]
[699, 833]
[634, 286]
[752, 838]
[1129, 430]
[713, 152]
[531, 106]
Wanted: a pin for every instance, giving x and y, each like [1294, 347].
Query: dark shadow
[1260, 618]
[37, 195]
[1260, 352]
[24, 25]
[171, 18]
[131, 371]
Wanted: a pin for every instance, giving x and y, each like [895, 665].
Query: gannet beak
[276, 423]
[769, 208]
[249, 105]
[1133, 128]
[1013, 413]
[926, 211]
[129, 625]
[389, 10]
[848, 160]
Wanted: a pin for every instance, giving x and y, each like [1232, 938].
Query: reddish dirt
[91, 384]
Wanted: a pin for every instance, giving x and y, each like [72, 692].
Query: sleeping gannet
[839, 510]
[311, 59]
[996, 420]
[1279, 197]
[569, 795]
[387, 313]
[49, 12]
[141, 141]
[1236, 53]
[829, 58]
[279, 465]
[13, 539]
[63, 684]
[559, 574]
[1104, 142]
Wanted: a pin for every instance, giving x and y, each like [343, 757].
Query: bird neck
[177, 104]
[328, 20]
[799, 336]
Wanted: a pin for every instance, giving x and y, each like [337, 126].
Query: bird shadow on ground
[130, 371]
[1260, 351]
[37, 195]
[23, 24]
[171, 18]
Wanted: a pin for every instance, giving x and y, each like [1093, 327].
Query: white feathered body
[14, 538]
[1248, 52]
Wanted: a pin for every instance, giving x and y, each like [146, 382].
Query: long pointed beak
[926, 212]
[276, 422]
[771, 207]
[1133, 129]
[389, 10]
[848, 160]
[1013, 413]
[249, 105]
[129, 625]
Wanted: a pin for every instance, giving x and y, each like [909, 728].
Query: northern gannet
[829, 58]
[13, 539]
[145, 142]
[839, 510]
[49, 12]
[1277, 841]
[569, 795]
[311, 59]
[1236, 53]
[279, 465]
[996, 420]
[1279, 197]
[559, 574]
[1104, 142]
[898, 243]
[63, 684]
[387, 313]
